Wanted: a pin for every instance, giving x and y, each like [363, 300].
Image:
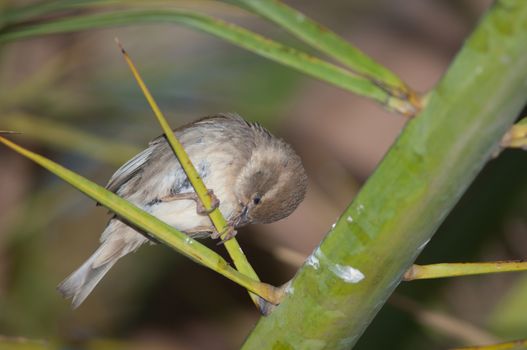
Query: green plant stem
[148, 223]
[417, 272]
[511, 345]
[215, 215]
[331, 44]
[234, 34]
[363, 258]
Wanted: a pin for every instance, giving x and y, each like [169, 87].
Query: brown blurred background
[158, 299]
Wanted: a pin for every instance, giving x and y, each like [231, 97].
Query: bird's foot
[201, 231]
[200, 208]
[228, 232]
[214, 203]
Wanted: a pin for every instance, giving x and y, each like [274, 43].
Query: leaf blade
[229, 32]
[325, 41]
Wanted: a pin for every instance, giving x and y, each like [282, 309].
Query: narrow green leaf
[150, 224]
[234, 34]
[27, 12]
[327, 42]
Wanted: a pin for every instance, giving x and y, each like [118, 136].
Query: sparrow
[254, 177]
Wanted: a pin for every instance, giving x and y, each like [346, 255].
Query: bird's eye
[257, 200]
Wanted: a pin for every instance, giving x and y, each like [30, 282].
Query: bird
[254, 178]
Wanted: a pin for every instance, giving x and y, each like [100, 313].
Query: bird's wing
[136, 165]
[129, 169]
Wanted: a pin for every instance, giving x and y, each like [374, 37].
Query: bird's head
[271, 185]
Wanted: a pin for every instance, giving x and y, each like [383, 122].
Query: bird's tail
[81, 282]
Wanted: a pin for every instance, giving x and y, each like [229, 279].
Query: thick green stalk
[348, 278]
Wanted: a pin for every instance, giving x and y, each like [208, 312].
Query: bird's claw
[228, 232]
[214, 203]
[200, 208]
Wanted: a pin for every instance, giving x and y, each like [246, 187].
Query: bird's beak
[244, 218]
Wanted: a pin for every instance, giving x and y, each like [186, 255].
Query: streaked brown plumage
[257, 178]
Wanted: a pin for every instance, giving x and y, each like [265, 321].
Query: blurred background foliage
[75, 101]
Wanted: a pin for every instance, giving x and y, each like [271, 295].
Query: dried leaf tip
[121, 47]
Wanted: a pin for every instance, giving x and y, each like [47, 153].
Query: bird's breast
[181, 214]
